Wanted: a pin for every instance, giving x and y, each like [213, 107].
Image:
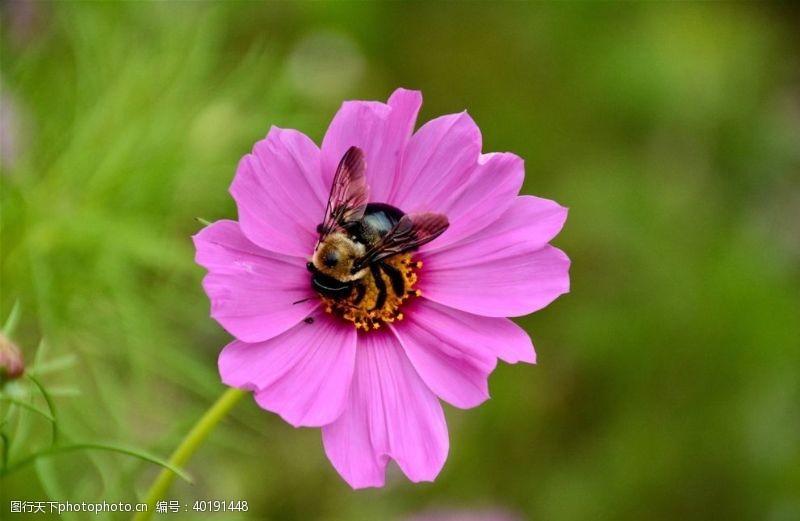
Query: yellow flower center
[361, 308]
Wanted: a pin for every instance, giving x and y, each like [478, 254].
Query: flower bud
[11, 364]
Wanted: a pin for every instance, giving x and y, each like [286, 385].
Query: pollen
[361, 307]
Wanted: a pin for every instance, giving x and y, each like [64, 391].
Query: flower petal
[504, 270]
[303, 374]
[439, 158]
[279, 193]
[454, 352]
[391, 413]
[450, 356]
[252, 291]
[488, 192]
[380, 130]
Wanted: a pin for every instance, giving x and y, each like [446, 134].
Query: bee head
[335, 256]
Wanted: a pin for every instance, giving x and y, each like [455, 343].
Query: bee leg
[380, 284]
[361, 290]
[396, 278]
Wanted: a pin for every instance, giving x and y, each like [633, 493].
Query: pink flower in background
[454, 514]
[396, 320]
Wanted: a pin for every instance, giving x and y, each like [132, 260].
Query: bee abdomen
[396, 279]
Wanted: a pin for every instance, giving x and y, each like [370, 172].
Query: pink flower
[376, 392]
[495, 514]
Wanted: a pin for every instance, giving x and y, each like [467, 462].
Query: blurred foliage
[667, 385]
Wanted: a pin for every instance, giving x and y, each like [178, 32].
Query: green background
[668, 382]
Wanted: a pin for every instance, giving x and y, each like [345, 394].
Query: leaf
[26, 405]
[12, 320]
[50, 405]
[57, 364]
[130, 451]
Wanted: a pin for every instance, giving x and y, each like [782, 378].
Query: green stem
[188, 445]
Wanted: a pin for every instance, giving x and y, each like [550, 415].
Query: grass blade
[26, 405]
[50, 405]
[12, 320]
[130, 451]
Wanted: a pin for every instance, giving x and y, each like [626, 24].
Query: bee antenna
[301, 300]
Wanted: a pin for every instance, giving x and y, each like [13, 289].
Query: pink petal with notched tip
[252, 291]
[452, 360]
[381, 130]
[488, 191]
[280, 194]
[390, 414]
[437, 163]
[304, 374]
[504, 270]
[527, 219]
[454, 352]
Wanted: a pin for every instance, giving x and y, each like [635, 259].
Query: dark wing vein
[349, 192]
[410, 232]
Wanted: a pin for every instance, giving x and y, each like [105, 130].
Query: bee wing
[349, 192]
[410, 232]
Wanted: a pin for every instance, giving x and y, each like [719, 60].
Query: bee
[357, 237]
